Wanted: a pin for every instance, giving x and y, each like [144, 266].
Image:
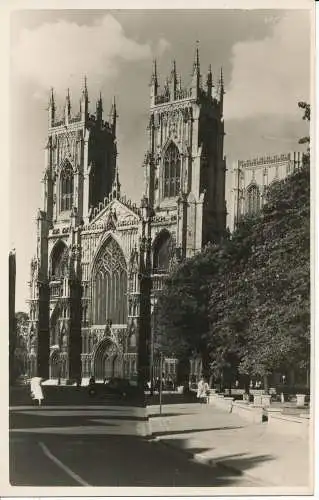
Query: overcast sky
[265, 57]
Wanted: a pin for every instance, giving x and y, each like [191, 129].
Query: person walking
[92, 386]
[202, 390]
[36, 389]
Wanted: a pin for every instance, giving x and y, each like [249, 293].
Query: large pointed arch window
[66, 187]
[172, 172]
[253, 199]
[59, 260]
[109, 286]
[163, 252]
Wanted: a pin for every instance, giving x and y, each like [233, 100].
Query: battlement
[187, 93]
[173, 90]
[83, 116]
[91, 120]
[261, 161]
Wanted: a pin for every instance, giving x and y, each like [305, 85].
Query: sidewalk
[212, 436]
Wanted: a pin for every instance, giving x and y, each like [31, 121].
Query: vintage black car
[116, 386]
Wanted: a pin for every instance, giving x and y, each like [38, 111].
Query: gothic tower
[80, 169]
[101, 259]
[184, 164]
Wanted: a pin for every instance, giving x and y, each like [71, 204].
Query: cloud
[60, 54]
[162, 46]
[270, 76]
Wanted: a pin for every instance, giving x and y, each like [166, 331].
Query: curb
[199, 458]
[208, 462]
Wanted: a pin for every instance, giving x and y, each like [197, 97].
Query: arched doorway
[105, 360]
[32, 365]
[55, 364]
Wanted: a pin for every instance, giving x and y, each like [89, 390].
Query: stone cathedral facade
[252, 178]
[101, 259]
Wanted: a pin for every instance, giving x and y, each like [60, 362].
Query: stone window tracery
[253, 199]
[110, 286]
[163, 252]
[66, 187]
[59, 261]
[172, 172]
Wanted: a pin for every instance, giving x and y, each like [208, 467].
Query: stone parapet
[288, 424]
[224, 403]
[249, 412]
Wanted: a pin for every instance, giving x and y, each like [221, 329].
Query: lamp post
[161, 383]
[60, 356]
[152, 355]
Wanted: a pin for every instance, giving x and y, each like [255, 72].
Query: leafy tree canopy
[245, 304]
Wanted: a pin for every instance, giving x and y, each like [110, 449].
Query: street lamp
[161, 383]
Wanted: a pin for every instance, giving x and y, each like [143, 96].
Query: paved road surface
[99, 446]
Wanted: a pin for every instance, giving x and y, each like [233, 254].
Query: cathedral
[100, 259]
[252, 178]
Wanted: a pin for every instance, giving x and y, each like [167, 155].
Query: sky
[265, 55]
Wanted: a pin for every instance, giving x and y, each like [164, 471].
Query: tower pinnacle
[113, 115]
[84, 102]
[67, 107]
[196, 77]
[51, 98]
[196, 64]
[209, 80]
[221, 89]
[116, 186]
[173, 81]
[154, 83]
[51, 108]
[99, 109]
[154, 74]
[85, 90]
[221, 81]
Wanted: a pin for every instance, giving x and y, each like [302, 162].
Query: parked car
[117, 386]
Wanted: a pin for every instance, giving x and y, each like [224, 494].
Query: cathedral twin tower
[101, 260]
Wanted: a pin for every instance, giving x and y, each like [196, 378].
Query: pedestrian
[157, 384]
[36, 389]
[169, 383]
[202, 390]
[92, 387]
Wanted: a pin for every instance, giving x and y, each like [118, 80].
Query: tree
[244, 305]
[260, 317]
[229, 310]
[306, 116]
[20, 344]
[182, 320]
[278, 271]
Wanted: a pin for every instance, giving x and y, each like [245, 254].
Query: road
[106, 445]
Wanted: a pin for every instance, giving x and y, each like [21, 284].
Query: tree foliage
[20, 345]
[245, 304]
[306, 116]
[278, 273]
[181, 311]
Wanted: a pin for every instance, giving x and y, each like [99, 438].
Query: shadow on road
[118, 461]
[112, 454]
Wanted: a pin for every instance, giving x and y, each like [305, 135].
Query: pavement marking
[85, 413]
[62, 466]
[84, 430]
[74, 407]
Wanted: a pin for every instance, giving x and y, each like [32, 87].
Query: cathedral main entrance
[107, 361]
